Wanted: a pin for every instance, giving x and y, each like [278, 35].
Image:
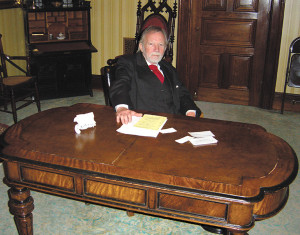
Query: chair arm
[112, 62]
[16, 57]
[26, 58]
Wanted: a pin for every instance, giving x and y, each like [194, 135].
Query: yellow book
[151, 122]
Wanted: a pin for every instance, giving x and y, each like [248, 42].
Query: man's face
[153, 47]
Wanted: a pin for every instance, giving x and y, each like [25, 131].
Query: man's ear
[141, 47]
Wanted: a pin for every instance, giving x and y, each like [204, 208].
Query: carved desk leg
[130, 213]
[21, 205]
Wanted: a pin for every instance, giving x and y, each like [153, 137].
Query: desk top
[60, 47]
[245, 159]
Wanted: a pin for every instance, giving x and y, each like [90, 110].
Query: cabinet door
[47, 74]
[63, 75]
[75, 75]
[226, 44]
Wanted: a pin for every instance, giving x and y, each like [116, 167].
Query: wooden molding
[6, 4]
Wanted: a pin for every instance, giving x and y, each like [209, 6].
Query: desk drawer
[131, 194]
[115, 192]
[48, 178]
[192, 206]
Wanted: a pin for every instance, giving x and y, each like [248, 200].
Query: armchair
[155, 18]
[16, 88]
[292, 78]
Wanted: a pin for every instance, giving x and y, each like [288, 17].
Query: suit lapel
[167, 74]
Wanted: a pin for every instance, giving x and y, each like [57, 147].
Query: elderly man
[146, 82]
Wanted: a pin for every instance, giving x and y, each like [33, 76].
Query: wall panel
[12, 30]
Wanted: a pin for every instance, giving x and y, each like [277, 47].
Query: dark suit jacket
[137, 86]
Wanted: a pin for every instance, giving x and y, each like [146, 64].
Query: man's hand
[125, 115]
[191, 114]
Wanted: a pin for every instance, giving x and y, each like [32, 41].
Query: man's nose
[156, 47]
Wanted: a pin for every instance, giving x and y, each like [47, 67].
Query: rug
[2, 128]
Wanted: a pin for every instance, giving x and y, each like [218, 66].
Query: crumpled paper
[84, 121]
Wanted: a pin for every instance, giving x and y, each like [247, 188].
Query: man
[137, 87]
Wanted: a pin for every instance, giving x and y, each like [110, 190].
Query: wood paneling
[228, 47]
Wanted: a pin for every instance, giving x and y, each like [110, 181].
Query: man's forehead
[155, 35]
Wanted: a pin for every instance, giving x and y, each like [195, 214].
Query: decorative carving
[128, 45]
[21, 205]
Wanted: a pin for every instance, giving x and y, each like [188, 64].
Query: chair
[155, 18]
[16, 88]
[292, 78]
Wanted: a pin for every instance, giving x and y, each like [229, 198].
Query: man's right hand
[124, 115]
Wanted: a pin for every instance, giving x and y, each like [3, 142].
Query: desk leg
[21, 205]
[223, 231]
[130, 213]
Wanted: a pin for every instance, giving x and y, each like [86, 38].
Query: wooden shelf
[46, 26]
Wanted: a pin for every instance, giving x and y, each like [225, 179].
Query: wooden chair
[16, 88]
[292, 78]
[155, 18]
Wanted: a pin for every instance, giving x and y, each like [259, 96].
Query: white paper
[201, 134]
[203, 141]
[84, 121]
[184, 139]
[130, 129]
[168, 130]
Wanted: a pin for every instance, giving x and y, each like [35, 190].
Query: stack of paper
[148, 125]
[199, 138]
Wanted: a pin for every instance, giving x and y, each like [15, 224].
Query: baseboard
[288, 103]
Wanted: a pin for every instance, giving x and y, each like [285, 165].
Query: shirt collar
[148, 63]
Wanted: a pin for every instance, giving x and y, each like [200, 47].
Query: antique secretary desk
[58, 42]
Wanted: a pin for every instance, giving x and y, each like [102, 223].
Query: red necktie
[158, 74]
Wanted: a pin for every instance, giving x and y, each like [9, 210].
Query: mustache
[156, 53]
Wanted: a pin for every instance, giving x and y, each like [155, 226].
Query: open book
[148, 125]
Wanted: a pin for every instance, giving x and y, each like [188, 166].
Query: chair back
[293, 70]
[151, 14]
[15, 88]
[295, 46]
[107, 80]
[156, 18]
[292, 75]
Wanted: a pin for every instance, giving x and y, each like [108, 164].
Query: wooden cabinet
[59, 45]
[228, 49]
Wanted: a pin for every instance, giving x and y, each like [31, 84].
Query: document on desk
[199, 138]
[148, 125]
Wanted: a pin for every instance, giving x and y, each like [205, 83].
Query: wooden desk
[243, 178]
